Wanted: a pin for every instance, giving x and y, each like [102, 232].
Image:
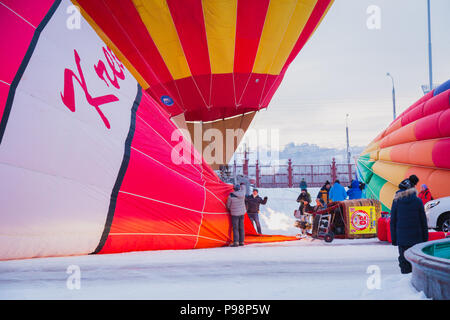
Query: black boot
[405, 265]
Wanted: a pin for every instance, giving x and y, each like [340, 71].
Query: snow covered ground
[304, 269]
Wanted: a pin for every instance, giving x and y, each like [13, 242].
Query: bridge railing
[290, 175]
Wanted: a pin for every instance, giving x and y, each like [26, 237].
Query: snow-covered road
[302, 269]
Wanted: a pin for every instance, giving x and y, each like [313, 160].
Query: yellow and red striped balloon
[417, 142]
[207, 59]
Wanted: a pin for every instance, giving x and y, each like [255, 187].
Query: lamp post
[348, 150]
[348, 139]
[393, 94]
[429, 87]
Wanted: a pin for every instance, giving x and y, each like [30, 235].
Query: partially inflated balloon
[88, 162]
[417, 142]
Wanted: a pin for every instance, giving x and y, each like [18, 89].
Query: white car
[438, 214]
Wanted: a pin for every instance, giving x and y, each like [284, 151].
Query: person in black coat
[408, 222]
[252, 203]
[305, 201]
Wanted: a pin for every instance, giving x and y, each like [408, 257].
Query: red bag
[382, 229]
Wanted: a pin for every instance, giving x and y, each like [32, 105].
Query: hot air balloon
[88, 160]
[211, 64]
[417, 142]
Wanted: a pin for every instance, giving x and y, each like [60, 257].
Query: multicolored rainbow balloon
[417, 142]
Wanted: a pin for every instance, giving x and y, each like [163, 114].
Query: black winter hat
[405, 185]
[413, 179]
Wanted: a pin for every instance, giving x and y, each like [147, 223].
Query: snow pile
[277, 216]
[276, 221]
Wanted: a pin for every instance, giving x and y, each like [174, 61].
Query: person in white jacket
[236, 206]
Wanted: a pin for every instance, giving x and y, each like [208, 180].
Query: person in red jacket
[425, 194]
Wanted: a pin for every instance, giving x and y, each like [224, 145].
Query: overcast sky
[342, 69]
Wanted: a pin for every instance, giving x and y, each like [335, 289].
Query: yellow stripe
[296, 25]
[156, 16]
[276, 22]
[387, 194]
[113, 47]
[220, 23]
[285, 20]
[385, 154]
[392, 172]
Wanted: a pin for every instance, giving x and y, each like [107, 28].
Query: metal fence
[290, 175]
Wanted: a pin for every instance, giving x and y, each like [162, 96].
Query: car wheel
[444, 222]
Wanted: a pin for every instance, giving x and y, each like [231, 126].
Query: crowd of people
[408, 222]
[329, 193]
